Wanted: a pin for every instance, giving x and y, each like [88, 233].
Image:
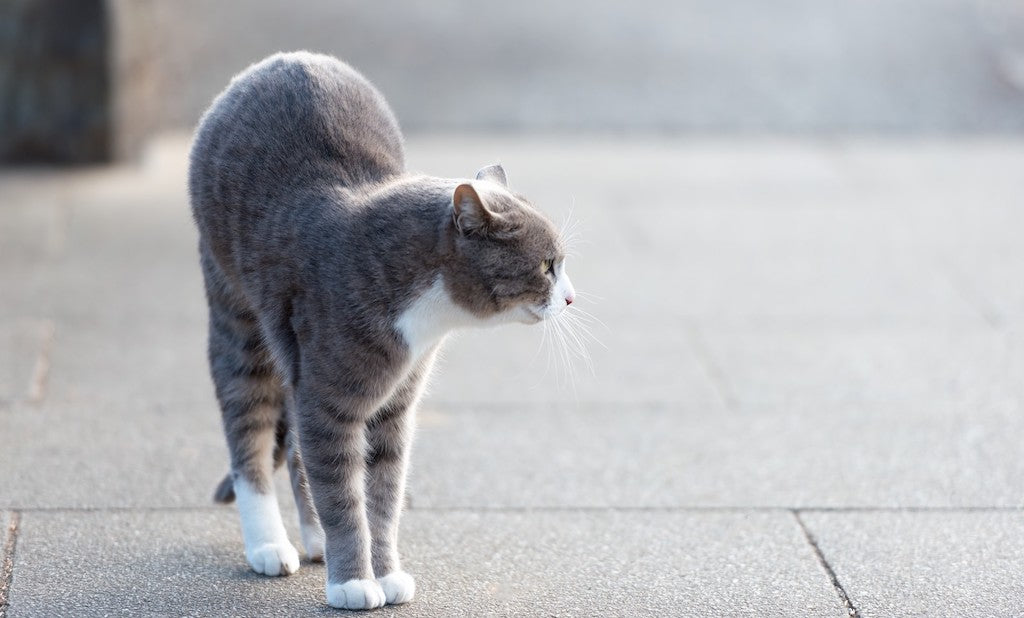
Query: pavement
[806, 396]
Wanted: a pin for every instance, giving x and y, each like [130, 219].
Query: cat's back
[289, 123]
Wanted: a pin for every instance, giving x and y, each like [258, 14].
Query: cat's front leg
[333, 443]
[390, 435]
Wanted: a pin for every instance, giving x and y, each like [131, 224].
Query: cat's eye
[547, 266]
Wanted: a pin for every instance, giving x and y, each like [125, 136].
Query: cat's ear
[470, 214]
[494, 173]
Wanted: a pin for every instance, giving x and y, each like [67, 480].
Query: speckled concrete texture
[789, 329]
[965, 563]
[486, 563]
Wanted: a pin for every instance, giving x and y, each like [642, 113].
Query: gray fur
[313, 240]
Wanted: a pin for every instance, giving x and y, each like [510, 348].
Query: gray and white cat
[332, 277]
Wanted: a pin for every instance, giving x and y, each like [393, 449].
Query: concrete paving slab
[626, 362]
[731, 265]
[133, 454]
[116, 453]
[821, 334]
[829, 235]
[143, 359]
[597, 456]
[153, 358]
[800, 252]
[103, 240]
[132, 338]
[925, 563]
[117, 283]
[914, 366]
[127, 297]
[24, 346]
[27, 292]
[129, 254]
[987, 275]
[467, 564]
[31, 239]
[33, 225]
[835, 285]
[901, 165]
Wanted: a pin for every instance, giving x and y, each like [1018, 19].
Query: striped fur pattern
[332, 277]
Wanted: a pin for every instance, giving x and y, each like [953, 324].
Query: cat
[332, 276]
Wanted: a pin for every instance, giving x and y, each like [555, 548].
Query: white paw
[355, 594]
[274, 559]
[399, 587]
[313, 541]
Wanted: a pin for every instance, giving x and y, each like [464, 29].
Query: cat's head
[508, 261]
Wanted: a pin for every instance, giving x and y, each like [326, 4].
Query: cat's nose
[569, 299]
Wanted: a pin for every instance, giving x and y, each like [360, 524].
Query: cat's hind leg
[251, 398]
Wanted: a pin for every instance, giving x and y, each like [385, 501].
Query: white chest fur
[434, 314]
[429, 318]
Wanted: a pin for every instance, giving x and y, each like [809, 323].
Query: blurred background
[798, 387]
[124, 69]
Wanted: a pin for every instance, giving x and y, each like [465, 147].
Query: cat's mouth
[533, 315]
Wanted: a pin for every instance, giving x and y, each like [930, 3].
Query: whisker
[543, 345]
[575, 345]
[543, 337]
[571, 322]
[590, 318]
[578, 334]
[549, 358]
[570, 230]
[585, 329]
[563, 348]
[561, 353]
[567, 220]
[589, 296]
[566, 357]
[582, 315]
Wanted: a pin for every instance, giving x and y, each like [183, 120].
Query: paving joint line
[507, 407]
[212, 508]
[908, 509]
[7, 562]
[851, 609]
[123, 509]
[726, 509]
[599, 509]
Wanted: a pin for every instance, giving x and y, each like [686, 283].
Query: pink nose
[569, 299]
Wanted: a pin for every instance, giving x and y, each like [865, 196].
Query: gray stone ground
[809, 390]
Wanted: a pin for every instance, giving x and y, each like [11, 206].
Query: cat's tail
[225, 492]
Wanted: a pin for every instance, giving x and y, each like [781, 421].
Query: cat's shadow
[207, 578]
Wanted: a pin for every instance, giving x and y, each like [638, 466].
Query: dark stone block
[55, 81]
